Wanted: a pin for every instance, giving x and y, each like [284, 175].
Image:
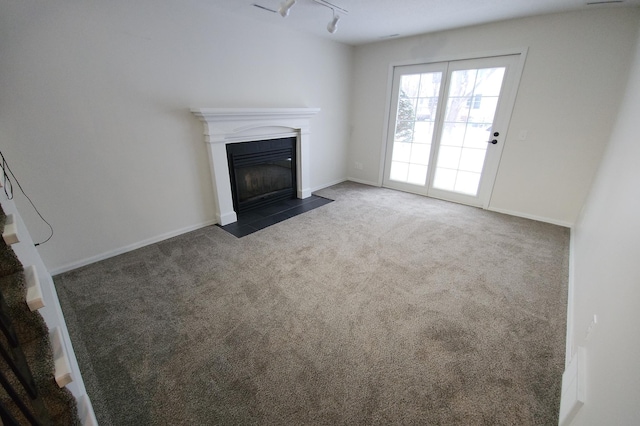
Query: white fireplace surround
[223, 126]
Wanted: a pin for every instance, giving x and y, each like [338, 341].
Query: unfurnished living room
[320, 212]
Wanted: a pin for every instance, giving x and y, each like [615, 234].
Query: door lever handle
[494, 141]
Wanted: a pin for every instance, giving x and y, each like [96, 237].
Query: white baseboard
[348, 179]
[130, 247]
[533, 217]
[80, 263]
[364, 182]
[570, 299]
[326, 185]
[111, 253]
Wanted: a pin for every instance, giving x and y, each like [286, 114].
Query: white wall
[606, 254]
[572, 82]
[95, 121]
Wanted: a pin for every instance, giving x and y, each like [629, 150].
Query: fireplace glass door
[262, 172]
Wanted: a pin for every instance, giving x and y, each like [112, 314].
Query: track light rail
[332, 6]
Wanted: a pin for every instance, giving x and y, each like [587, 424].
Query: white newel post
[233, 125]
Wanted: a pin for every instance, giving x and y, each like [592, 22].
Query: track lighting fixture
[333, 25]
[286, 5]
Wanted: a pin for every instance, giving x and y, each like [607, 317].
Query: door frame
[509, 99]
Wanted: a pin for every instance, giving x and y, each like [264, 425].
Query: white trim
[85, 412]
[318, 188]
[570, 298]
[386, 123]
[62, 367]
[364, 182]
[225, 218]
[532, 217]
[252, 114]
[462, 56]
[510, 101]
[10, 232]
[573, 393]
[111, 253]
[35, 299]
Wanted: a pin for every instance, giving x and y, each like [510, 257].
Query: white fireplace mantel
[233, 125]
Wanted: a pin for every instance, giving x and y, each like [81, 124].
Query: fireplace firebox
[262, 172]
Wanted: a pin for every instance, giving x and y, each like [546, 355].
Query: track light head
[285, 6]
[333, 25]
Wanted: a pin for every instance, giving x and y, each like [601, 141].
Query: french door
[446, 127]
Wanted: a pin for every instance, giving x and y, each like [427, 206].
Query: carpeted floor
[379, 308]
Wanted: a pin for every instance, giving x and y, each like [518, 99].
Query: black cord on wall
[8, 190]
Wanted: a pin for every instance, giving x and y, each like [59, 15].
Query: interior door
[447, 126]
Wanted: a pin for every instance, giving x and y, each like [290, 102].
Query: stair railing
[32, 407]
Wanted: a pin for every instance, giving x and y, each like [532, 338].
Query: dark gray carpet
[379, 308]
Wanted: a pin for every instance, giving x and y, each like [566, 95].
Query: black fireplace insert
[262, 172]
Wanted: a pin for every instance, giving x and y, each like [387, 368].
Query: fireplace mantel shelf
[244, 114]
[223, 126]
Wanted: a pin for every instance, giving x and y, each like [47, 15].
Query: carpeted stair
[55, 405]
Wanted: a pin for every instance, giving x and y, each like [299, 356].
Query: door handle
[494, 141]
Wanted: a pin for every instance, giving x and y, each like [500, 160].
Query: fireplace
[262, 172]
[227, 127]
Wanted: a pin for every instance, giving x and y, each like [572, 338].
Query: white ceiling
[374, 20]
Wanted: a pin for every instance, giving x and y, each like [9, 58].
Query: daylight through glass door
[471, 105]
[442, 127]
[418, 100]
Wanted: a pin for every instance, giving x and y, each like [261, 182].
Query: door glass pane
[423, 132]
[453, 134]
[449, 157]
[489, 81]
[413, 135]
[417, 174]
[467, 182]
[409, 85]
[471, 106]
[420, 154]
[472, 160]
[444, 179]
[477, 135]
[401, 152]
[399, 171]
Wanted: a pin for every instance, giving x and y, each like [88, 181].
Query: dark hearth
[263, 217]
[262, 172]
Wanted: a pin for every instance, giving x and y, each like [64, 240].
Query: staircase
[40, 382]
